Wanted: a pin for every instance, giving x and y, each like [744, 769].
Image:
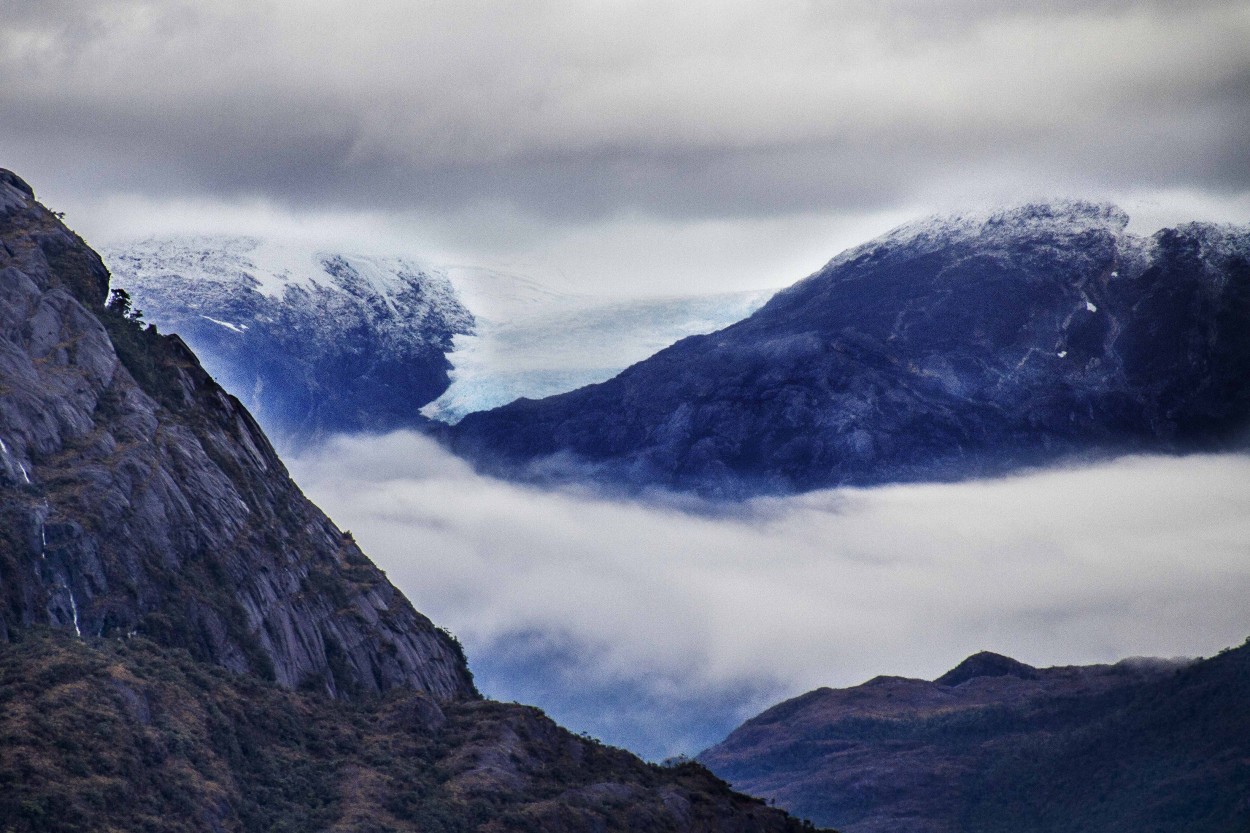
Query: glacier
[317, 341]
[532, 341]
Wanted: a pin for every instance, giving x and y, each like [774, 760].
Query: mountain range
[187, 643]
[316, 340]
[949, 348]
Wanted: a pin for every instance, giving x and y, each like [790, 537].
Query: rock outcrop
[137, 497]
[947, 349]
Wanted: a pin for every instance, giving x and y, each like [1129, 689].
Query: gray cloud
[584, 110]
[667, 610]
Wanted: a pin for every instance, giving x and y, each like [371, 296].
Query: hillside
[127, 736]
[997, 745]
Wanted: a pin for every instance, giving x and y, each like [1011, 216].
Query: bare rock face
[136, 496]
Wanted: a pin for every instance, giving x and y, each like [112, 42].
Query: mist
[658, 625]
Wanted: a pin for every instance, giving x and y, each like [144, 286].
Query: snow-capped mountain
[314, 342]
[317, 342]
[949, 348]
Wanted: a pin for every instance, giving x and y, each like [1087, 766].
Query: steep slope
[138, 497]
[188, 644]
[946, 349]
[315, 342]
[997, 745]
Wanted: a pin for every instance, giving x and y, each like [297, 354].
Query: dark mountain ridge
[996, 745]
[188, 644]
[947, 349]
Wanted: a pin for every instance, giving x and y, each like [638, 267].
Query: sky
[622, 147]
[648, 148]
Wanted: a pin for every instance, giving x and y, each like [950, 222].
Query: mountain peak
[1062, 218]
[953, 347]
[986, 664]
[315, 341]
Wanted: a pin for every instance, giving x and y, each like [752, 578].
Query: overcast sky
[628, 146]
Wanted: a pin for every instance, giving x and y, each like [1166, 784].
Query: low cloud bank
[659, 629]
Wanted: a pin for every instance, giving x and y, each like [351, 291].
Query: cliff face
[137, 497]
[947, 349]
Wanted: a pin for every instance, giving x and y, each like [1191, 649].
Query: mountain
[997, 745]
[315, 342]
[949, 348]
[188, 644]
[318, 341]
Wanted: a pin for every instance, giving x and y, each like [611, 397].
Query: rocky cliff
[996, 745]
[950, 348]
[137, 497]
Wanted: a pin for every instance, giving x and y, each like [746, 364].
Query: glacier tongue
[532, 342]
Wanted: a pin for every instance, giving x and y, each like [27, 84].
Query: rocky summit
[950, 348]
[188, 644]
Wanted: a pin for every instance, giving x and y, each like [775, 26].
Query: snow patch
[226, 324]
